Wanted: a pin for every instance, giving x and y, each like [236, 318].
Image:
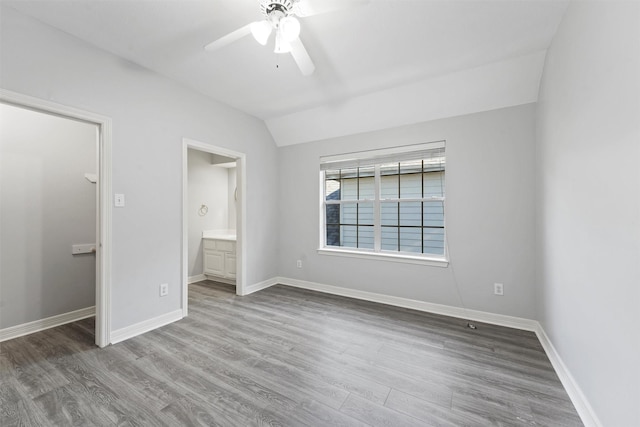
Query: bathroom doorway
[213, 216]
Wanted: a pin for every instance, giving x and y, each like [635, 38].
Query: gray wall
[490, 214]
[46, 205]
[151, 115]
[588, 137]
[208, 185]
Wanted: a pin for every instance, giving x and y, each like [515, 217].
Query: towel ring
[203, 210]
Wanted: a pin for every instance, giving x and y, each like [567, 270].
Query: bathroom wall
[232, 198]
[46, 206]
[208, 185]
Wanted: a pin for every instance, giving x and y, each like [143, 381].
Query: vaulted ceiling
[379, 63]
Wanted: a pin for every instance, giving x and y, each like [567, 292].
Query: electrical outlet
[164, 289]
[299, 263]
[498, 288]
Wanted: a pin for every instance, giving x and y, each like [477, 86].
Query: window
[385, 202]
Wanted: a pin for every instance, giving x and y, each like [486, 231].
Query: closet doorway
[55, 216]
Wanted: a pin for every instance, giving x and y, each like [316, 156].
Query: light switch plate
[118, 200]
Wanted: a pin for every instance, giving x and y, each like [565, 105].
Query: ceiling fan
[280, 17]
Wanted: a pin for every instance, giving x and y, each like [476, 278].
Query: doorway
[43, 241]
[225, 262]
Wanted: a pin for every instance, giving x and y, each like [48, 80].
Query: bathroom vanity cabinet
[219, 252]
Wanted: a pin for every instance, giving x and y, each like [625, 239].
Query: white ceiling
[373, 56]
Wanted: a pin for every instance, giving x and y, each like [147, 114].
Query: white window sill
[384, 256]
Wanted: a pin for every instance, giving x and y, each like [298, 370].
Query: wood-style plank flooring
[284, 356]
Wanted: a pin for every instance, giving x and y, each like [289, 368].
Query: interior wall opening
[212, 216]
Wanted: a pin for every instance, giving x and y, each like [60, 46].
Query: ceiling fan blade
[305, 8]
[229, 38]
[302, 58]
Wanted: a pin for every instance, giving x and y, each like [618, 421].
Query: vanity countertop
[219, 235]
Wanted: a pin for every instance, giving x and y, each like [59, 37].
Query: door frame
[241, 217]
[103, 199]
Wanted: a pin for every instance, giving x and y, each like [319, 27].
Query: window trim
[402, 257]
[377, 253]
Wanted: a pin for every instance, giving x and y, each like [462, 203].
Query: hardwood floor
[284, 356]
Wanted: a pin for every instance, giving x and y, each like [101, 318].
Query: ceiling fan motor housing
[278, 7]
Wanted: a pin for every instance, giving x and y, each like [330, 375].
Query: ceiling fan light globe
[261, 31]
[289, 28]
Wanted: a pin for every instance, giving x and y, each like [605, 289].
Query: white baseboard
[579, 400]
[42, 324]
[195, 279]
[446, 310]
[261, 285]
[145, 326]
[220, 279]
